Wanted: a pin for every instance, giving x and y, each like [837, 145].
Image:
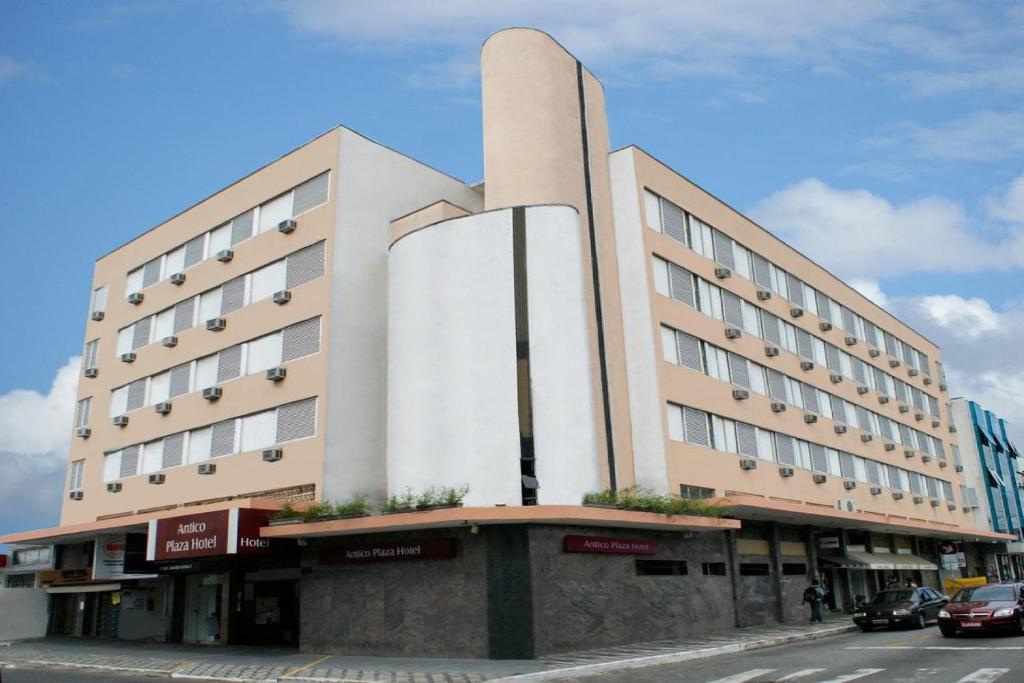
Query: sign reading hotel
[224, 532]
[604, 545]
[431, 549]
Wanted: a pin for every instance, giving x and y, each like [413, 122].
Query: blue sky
[867, 133]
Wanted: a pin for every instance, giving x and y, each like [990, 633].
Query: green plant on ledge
[287, 511]
[428, 499]
[645, 500]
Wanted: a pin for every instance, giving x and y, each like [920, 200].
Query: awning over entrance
[859, 559]
[89, 588]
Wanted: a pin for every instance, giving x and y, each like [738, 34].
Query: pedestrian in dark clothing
[813, 596]
[893, 582]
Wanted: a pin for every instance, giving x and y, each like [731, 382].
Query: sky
[884, 140]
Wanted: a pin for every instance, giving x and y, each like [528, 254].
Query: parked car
[994, 607]
[900, 607]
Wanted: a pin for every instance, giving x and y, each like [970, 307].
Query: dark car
[900, 607]
[994, 607]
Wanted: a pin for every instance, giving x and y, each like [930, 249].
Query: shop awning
[859, 559]
[88, 588]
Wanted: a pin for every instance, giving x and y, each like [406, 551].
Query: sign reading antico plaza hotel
[224, 532]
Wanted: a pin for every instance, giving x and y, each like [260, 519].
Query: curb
[672, 657]
[45, 663]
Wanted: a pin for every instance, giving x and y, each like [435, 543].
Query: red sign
[610, 546]
[3, 560]
[432, 549]
[225, 532]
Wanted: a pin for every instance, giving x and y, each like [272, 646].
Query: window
[695, 492]
[76, 475]
[99, 300]
[21, 580]
[82, 410]
[794, 569]
[712, 568]
[89, 354]
[754, 569]
[661, 568]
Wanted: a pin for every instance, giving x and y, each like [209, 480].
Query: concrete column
[734, 574]
[775, 557]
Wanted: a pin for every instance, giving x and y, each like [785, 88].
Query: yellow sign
[951, 585]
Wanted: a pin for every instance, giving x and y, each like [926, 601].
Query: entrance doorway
[204, 608]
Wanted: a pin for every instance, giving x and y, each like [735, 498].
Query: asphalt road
[20, 675]
[877, 657]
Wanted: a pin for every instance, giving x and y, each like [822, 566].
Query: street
[20, 675]
[877, 657]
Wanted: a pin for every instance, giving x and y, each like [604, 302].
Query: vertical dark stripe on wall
[509, 593]
[527, 468]
[596, 278]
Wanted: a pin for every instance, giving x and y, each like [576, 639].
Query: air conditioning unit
[810, 418]
[282, 297]
[212, 393]
[874, 353]
[272, 455]
[91, 372]
[951, 506]
[177, 278]
[967, 508]
[740, 394]
[96, 316]
[136, 298]
[861, 389]
[157, 478]
[83, 432]
[919, 416]
[225, 255]
[952, 429]
[76, 495]
[748, 464]
[128, 357]
[169, 342]
[206, 468]
[927, 381]
[120, 420]
[216, 324]
[796, 311]
[276, 374]
[876, 490]
[763, 295]
[786, 471]
[721, 272]
[890, 446]
[114, 487]
[893, 363]
[925, 457]
[825, 326]
[820, 478]
[883, 399]
[935, 423]
[912, 372]
[778, 407]
[897, 495]
[918, 500]
[846, 504]
[849, 484]
[163, 408]
[287, 225]
[904, 408]
[850, 340]
[958, 468]
[733, 333]
[866, 437]
[943, 464]
[908, 453]
[835, 377]
[935, 503]
[942, 386]
[806, 365]
[771, 351]
[840, 429]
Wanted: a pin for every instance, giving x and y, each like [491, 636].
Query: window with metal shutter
[762, 270]
[310, 194]
[179, 383]
[296, 420]
[860, 371]
[723, 249]
[140, 333]
[819, 458]
[689, 351]
[796, 290]
[151, 273]
[824, 306]
[184, 312]
[222, 440]
[301, 339]
[738, 372]
[746, 439]
[803, 344]
[776, 385]
[136, 394]
[129, 461]
[681, 284]
[194, 250]
[846, 465]
[874, 474]
[810, 396]
[229, 363]
[232, 295]
[305, 265]
[785, 450]
[173, 450]
[241, 227]
[848, 322]
[732, 309]
[673, 221]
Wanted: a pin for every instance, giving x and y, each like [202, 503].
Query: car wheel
[947, 632]
[919, 621]
[867, 628]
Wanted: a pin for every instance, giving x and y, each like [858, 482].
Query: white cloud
[857, 233]
[1010, 206]
[970, 318]
[871, 289]
[979, 136]
[12, 69]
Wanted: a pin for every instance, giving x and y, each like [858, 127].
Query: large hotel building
[347, 321]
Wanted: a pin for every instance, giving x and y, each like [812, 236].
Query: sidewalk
[265, 664]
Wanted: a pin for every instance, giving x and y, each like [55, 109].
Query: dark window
[661, 568]
[21, 580]
[695, 492]
[754, 569]
[794, 568]
[713, 568]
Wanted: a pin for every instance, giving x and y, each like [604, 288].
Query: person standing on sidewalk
[813, 596]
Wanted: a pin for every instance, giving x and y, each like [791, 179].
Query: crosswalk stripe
[859, 673]
[983, 676]
[745, 676]
[803, 673]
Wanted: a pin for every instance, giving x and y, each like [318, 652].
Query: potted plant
[405, 502]
[451, 496]
[286, 515]
[354, 507]
[601, 499]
